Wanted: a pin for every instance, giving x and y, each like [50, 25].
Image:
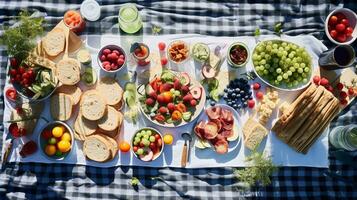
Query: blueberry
[246, 96]
[225, 96]
[242, 92]
[235, 106]
[213, 103]
[245, 104]
[234, 95]
[229, 103]
[245, 81]
[239, 106]
[225, 90]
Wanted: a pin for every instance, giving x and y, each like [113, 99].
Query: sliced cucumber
[186, 116]
[129, 86]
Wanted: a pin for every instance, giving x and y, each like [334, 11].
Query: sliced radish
[196, 92]
[148, 157]
[208, 72]
[186, 78]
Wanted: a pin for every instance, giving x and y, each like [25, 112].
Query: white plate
[237, 127]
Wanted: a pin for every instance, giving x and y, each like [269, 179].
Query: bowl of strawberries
[172, 99]
[340, 26]
[111, 58]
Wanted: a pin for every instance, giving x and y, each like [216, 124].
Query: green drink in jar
[344, 137]
[129, 18]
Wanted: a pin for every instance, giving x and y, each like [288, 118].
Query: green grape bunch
[282, 64]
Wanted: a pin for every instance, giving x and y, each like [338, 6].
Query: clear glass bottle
[129, 18]
[344, 137]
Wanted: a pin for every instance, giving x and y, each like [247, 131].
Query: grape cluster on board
[281, 63]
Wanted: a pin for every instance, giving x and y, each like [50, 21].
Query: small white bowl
[352, 18]
[111, 47]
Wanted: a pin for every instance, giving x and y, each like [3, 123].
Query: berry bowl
[340, 26]
[147, 144]
[111, 58]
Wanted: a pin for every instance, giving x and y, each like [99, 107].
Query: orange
[167, 97]
[50, 149]
[66, 136]
[124, 146]
[176, 115]
[64, 146]
[168, 139]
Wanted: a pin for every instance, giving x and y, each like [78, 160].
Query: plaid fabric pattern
[218, 18]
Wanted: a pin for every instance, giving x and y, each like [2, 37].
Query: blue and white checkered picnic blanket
[218, 18]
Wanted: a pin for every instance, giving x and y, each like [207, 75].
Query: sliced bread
[54, 42]
[68, 71]
[92, 105]
[110, 90]
[61, 106]
[96, 148]
[84, 127]
[110, 121]
[113, 144]
[73, 91]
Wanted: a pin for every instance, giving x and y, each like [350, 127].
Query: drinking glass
[129, 18]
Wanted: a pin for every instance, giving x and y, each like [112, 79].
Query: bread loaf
[83, 127]
[73, 91]
[110, 121]
[68, 71]
[96, 148]
[61, 107]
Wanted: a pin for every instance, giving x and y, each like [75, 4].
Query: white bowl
[352, 18]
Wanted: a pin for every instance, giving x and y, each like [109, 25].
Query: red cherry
[343, 94]
[348, 31]
[114, 66]
[260, 95]
[251, 103]
[162, 46]
[107, 67]
[345, 22]
[340, 86]
[106, 51]
[12, 72]
[316, 80]
[329, 88]
[341, 38]
[324, 82]
[256, 86]
[163, 61]
[13, 62]
[340, 16]
[120, 61]
[333, 34]
[122, 56]
[340, 28]
[21, 70]
[116, 52]
[351, 91]
[343, 102]
[333, 20]
[103, 58]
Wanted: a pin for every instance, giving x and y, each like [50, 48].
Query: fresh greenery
[212, 88]
[20, 39]
[134, 181]
[260, 172]
[257, 32]
[156, 29]
[278, 28]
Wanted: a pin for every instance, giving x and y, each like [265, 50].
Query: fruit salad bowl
[147, 144]
[171, 99]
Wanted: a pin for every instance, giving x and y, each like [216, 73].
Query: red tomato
[11, 94]
[348, 31]
[333, 20]
[340, 28]
[345, 22]
[341, 38]
[340, 16]
[162, 46]
[333, 33]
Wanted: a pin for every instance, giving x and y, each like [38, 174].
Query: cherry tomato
[333, 33]
[333, 20]
[340, 28]
[11, 94]
[13, 62]
[345, 22]
[348, 31]
[341, 38]
[12, 72]
[162, 46]
[340, 16]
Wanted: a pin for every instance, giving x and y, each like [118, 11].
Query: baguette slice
[54, 42]
[84, 127]
[92, 105]
[110, 121]
[96, 148]
[110, 90]
[68, 71]
[61, 107]
[73, 91]
[113, 143]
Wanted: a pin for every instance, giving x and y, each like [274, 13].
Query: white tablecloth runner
[281, 153]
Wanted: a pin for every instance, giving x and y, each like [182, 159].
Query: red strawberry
[150, 101]
[340, 86]
[159, 118]
[163, 110]
[153, 95]
[171, 107]
[193, 102]
[351, 91]
[160, 99]
[185, 89]
[166, 87]
[316, 80]
[256, 86]
[187, 98]
[177, 84]
[324, 82]
[343, 94]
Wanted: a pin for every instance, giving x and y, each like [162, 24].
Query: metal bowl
[154, 130]
[41, 141]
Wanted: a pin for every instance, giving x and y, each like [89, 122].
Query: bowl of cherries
[340, 26]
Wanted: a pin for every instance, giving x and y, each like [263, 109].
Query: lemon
[66, 136]
[57, 131]
[168, 139]
[64, 146]
[50, 149]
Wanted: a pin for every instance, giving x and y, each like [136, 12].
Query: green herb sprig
[260, 172]
[20, 39]
[278, 28]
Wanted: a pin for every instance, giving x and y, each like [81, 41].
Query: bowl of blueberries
[238, 94]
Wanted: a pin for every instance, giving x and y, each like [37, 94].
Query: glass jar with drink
[344, 137]
[140, 52]
[129, 18]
